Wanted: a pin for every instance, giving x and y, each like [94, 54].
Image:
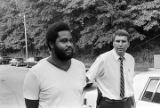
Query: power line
[147, 41]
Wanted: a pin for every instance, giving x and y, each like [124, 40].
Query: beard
[62, 54]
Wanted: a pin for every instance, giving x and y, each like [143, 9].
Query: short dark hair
[121, 32]
[52, 32]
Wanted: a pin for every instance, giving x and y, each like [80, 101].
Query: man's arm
[31, 90]
[88, 83]
[133, 102]
[31, 103]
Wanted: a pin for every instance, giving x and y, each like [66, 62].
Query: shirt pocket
[129, 74]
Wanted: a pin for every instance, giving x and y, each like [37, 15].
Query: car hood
[143, 104]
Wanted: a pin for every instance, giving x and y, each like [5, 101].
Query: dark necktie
[122, 85]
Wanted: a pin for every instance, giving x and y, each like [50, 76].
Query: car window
[37, 58]
[156, 97]
[19, 59]
[152, 91]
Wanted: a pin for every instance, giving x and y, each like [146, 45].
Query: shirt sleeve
[83, 76]
[95, 69]
[133, 68]
[31, 87]
[84, 80]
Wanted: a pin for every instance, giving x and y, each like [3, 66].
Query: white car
[90, 96]
[19, 61]
[146, 88]
[32, 61]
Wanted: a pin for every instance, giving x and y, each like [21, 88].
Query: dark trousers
[103, 102]
[108, 103]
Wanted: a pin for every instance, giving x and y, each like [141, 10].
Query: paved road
[11, 82]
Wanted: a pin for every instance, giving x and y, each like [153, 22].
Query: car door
[150, 97]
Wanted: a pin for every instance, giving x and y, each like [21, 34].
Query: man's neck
[64, 65]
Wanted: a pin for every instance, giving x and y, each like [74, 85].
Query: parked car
[90, 96]
[17, 62]
[32, 61]
[4, 59]
[146, 90]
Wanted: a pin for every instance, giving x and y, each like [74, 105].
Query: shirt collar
[116, 56]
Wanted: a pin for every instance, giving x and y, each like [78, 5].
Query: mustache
[120, 48]
[69, 48]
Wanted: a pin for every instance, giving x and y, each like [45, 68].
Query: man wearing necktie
[113, 73]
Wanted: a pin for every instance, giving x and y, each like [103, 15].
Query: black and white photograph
[79, 53]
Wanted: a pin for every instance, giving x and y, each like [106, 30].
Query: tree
[146, 15]
[96, 20]
[12, 26]
[93, 21]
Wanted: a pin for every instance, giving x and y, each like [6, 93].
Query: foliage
[146, 15]
[98, 20]
[12, 26]
[93, 21]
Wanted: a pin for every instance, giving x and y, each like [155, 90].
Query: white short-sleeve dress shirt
[105, 72]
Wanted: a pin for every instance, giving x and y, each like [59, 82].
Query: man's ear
[113, 43]
[51, 45]
[128, 44]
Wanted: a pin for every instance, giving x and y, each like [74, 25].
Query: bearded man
[58, 80]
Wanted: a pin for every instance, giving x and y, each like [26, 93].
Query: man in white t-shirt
[113, 73]
[58, 80]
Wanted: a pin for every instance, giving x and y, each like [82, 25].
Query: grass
[142, 67]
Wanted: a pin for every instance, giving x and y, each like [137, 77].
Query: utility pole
[25, 29]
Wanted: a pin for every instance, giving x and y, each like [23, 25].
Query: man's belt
[113, 100]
